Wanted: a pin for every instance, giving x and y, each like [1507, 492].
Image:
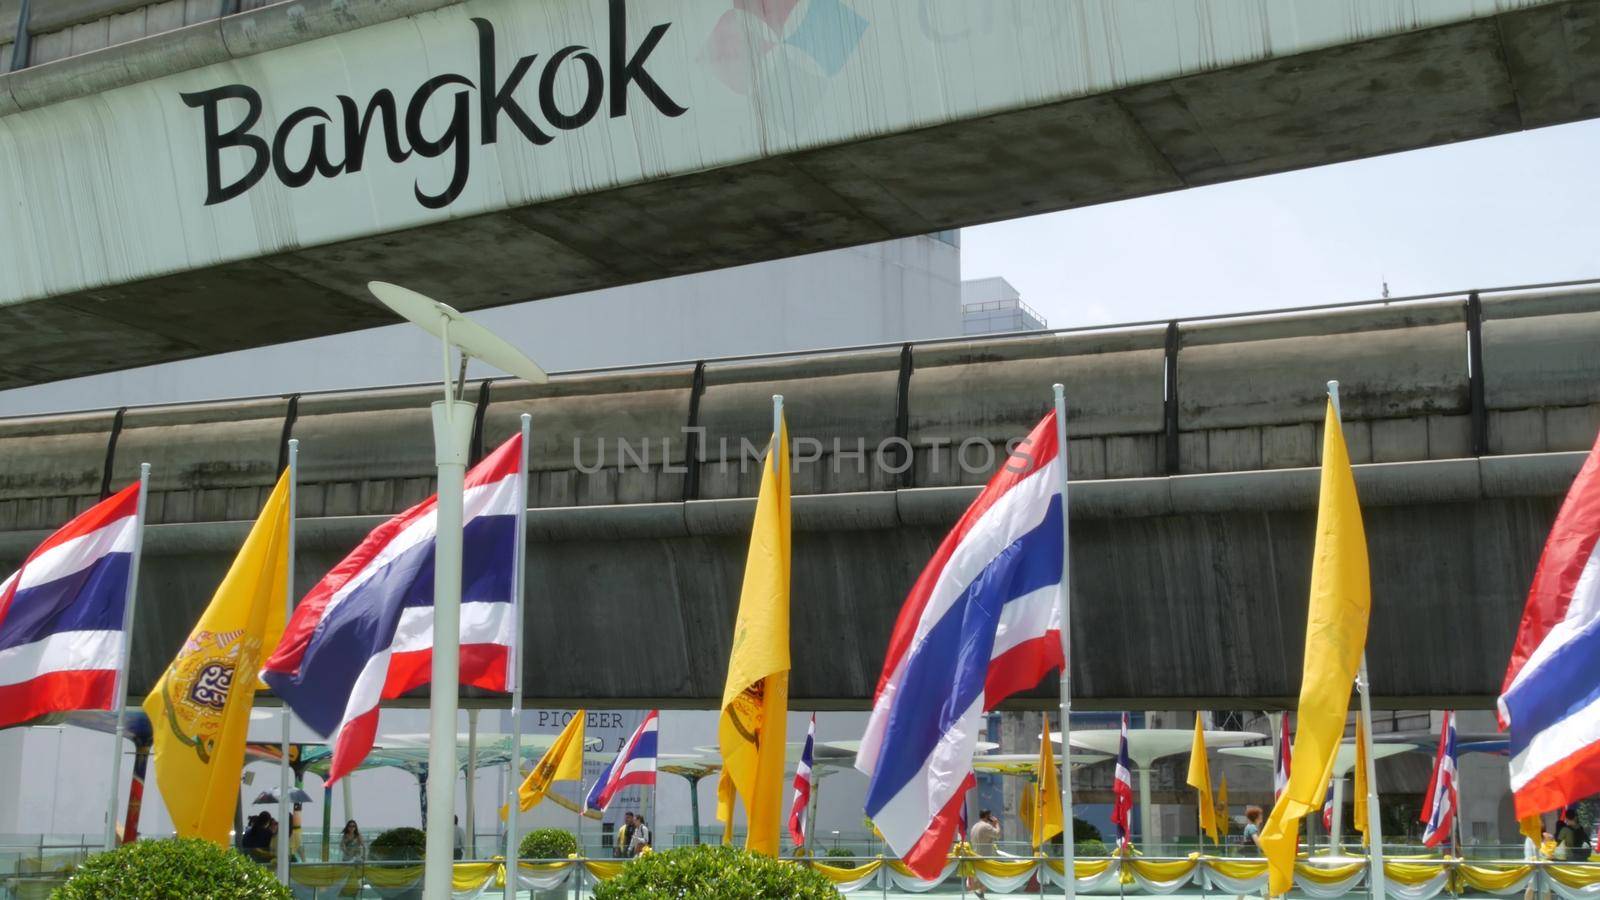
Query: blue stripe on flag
[946, 671]
[364, 623]
[90, 599]
[1563, 684]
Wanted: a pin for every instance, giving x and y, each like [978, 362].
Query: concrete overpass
[236, 181]
[1192, 508]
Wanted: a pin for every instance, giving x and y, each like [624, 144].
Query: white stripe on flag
[64, 651]
[79, 553]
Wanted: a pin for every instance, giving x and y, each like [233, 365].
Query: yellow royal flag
[200, 709]
[1359, 813]
[1336, 636]
[1200, 779]
[1047, 816]
[562, 762]
[1222, 805]
[755, 701]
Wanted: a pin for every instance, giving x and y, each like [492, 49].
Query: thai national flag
[634, 764]
[802, 788]
[61, 614]
[1122, 790]
[1280, 774]
[982, 622]
[1440, 802]
[1327, 808]
[1551, 697]
[364, 633]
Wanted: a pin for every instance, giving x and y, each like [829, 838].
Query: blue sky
[1514, 209]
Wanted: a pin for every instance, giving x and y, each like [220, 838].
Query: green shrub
[1091, 848]
[838, 852]
[1084, 831]
[179, 867]
[715, 873]
[548, 843]
[400, 844]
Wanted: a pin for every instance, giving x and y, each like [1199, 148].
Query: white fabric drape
[1001, 885]
[914, 885]
[1106, 880]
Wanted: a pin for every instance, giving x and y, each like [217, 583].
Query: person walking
[624, 844]
[641, 837]
[985, 835]
[1572, 844]
[352, 847]
[1251, 840]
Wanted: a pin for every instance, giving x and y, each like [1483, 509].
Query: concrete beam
[1174, 103]
[1197, 582]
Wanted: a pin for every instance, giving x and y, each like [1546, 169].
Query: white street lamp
[452, 432]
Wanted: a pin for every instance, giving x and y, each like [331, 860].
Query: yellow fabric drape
[1574, 876]
[1492, 878]
[200, 708]
[1162, 871]
[325, 875]
[1336, 636]
[847, 874]
[1001, 868]
[604, 870]
[1238, 869]
[1411, 873]
[1327, 874]
[1081, 868]
[755, 700]
[1047, 817]
[1200, 780]
[392, 877]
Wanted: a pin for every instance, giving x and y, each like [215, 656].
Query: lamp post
[452, 432]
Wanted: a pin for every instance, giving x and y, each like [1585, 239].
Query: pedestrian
[1532, 852]
[1252, 831]
[1571, 843]
[985, 834]
[351, 846]
[461, 837]
[624, 844]
[641, 837]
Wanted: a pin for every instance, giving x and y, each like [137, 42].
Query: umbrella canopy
[295, 796]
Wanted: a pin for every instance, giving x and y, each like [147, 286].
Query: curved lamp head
[473, 339]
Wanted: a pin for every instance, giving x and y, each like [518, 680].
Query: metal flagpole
[1069, 852]
[583, 792]
[119, 691]
[470, 851]
[1376, 876]
[285, 822]
[519, 579]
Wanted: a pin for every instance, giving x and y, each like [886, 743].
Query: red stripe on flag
[1033, 452]
[927, 858]
[56, 692]
[1021, 667]
[1571, 543]
[1576, 776]
[353, 744]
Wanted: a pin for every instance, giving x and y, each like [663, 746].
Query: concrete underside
[1483, 77]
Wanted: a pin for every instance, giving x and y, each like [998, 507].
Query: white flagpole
[285, 821]
[119, 691]
[1376, 876]
[519, 576]
[1069, 852]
